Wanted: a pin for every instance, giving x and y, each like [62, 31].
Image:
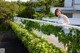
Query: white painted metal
[41, 34]
[73, 21]
[56, 24]
[65, 27]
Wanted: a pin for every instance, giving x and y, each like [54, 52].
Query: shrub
[34, 43]
[39, 16]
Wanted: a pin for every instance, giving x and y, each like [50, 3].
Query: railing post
[41, 34]
[66, 30]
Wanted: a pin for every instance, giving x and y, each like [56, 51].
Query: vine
[71, 38]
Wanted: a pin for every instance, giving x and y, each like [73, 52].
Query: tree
[27, 10]
[8, 9]
[46, 4]
[59, 3]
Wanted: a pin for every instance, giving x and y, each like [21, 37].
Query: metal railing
[65, 27]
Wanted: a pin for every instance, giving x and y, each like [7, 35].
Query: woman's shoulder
[64, 15]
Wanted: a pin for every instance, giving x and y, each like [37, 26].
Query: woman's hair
[57, 11]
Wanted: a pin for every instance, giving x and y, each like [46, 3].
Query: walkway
[52, 39]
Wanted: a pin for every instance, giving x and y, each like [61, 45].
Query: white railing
[65, 27]
[18, 19]
[73, 21]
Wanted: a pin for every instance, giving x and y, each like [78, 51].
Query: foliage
[46, 4]
[4, 26]
[59, 3]
[34, 43]
[72, 38]
[47, 29]
[31, 25]
[8, 10]
[27, 11]
[39, 16]
[50, 15]
[21, 11]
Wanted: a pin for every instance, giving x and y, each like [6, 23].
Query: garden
[22, 39]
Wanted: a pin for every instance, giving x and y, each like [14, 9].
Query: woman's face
[58, 13]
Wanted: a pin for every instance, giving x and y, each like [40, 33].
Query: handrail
[56, 24]
[73, 21]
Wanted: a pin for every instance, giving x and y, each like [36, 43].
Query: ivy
[46, 30]
[31, 25]
[72, 38]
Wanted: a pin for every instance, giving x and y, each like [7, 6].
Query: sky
[16, 0]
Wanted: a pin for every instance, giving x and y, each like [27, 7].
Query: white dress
[61, 19]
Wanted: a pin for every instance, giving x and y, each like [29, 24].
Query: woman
[63, 19]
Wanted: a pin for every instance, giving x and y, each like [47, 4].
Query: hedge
[72, 38]
[34, 43]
